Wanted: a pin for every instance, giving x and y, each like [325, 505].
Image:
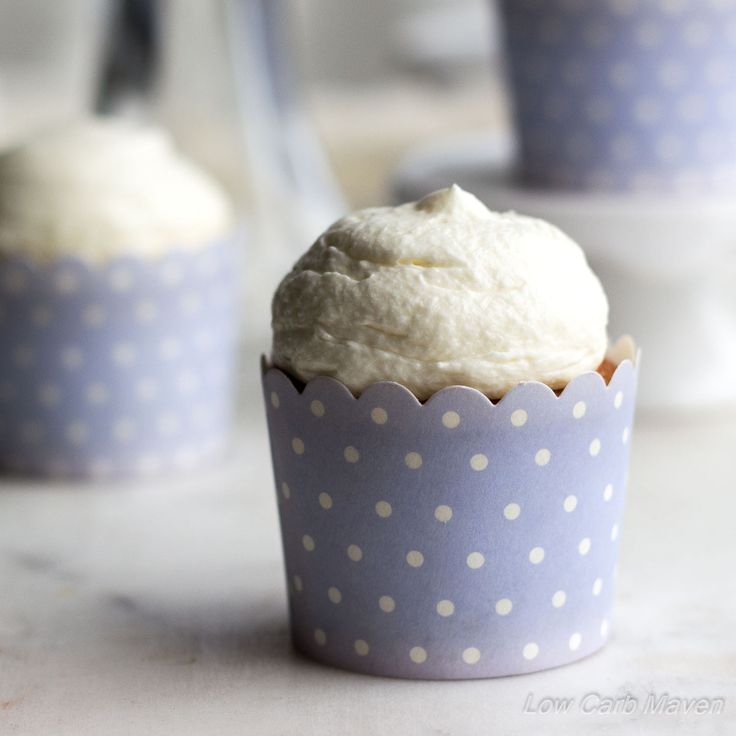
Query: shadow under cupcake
[447, 532]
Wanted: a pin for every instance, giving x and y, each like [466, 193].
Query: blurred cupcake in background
[624, 95]
[450, 433]
[117, 305]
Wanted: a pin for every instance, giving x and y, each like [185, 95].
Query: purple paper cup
[116, 369]
[455, 538]
[624, 95]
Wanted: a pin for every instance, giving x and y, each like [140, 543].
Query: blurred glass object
[130, 53]
[49, 62]
[227, 88]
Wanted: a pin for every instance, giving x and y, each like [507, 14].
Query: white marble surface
[159, 608]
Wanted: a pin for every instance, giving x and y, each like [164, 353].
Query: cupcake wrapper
[116, 369]
[615, 95]
[456, 538]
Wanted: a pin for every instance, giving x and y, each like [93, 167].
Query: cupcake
[620, 96]
[117, 293]
[449, 431]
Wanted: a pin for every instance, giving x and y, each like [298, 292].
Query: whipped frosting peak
[455, 202]
[103, 187]
[439, 292]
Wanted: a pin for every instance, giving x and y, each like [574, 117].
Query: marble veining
[160, 608]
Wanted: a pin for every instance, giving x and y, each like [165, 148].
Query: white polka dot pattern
[107, 366]
[612, 100]
[418, 655]
[445, 608]
[448, 549]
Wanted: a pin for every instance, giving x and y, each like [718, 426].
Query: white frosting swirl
[439, 292]
[102, 188]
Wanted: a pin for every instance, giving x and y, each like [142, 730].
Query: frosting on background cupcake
[118, 306]
[440, 292]
[103, 188]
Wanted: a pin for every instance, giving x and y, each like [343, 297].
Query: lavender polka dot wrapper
[456, 538]
[625, 95]
[117, 369]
